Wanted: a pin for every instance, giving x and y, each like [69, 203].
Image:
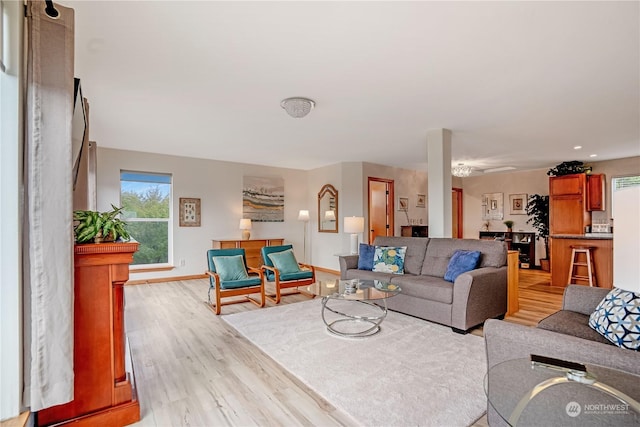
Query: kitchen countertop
[588, 236]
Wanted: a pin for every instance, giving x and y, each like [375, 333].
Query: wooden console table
[104, 392]
[251, 248]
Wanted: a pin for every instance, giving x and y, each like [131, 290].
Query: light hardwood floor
[192, 369]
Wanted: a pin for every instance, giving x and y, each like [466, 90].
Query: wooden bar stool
[591, 275]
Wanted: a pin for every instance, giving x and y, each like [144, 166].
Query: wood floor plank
[192, 369]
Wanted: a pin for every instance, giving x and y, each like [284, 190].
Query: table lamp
[354, 225]
[245, 226]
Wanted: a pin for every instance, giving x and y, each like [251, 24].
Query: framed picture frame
[518, 204]
[492, 206]
[403, 204]
[189, 212]
[421, 201]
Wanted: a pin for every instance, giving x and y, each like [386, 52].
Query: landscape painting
[263, 199]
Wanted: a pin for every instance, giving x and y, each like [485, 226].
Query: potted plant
[98, 227]
[509, 225]
[538, 211]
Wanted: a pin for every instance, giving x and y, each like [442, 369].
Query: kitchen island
[602, 253]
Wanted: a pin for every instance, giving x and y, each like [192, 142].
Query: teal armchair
[229, 276]
[286, 272]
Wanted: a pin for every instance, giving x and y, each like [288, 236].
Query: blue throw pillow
[285, 262]
[389, 259]
[230, 268]
[461, 262]
[617, 318]
[365, 258]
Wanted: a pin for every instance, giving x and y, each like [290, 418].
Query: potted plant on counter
[99, 227]
[538, 211]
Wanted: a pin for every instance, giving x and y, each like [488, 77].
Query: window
[146, 207]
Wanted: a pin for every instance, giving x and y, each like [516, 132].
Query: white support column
[439, 182]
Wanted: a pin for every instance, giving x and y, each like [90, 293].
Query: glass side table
[527, 393]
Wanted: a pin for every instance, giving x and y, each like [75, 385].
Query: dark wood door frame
[458, 214]
[390, 205]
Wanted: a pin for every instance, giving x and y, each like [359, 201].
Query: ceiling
[518, 83]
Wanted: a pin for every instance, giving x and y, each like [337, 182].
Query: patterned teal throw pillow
[617, 318]
[389, 259]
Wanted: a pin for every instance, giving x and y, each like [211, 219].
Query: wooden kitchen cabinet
[568, 213]
[251, 248]
[595, 192]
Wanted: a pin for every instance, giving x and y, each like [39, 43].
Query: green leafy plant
[92, 226]
[508, 223]
[567, 168]
[538, 211]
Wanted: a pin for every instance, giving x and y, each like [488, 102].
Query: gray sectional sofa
[564, 335]
[474, 297]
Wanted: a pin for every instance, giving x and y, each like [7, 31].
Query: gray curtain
[48, 241]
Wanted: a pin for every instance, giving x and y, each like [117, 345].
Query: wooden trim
[133, 269]
[165, 279]
[327, 270]
[459, 217]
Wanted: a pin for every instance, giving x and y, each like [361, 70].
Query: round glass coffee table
[525, 393]
[353, 308]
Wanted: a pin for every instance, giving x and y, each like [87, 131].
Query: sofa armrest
[347, 262]
[478, 295]
[582, 299]
[506, 341]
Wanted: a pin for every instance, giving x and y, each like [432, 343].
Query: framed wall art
[403, 204]
[518, 204]
[492, 206]
[189, 212]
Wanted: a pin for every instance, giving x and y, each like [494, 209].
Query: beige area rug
[412, 373]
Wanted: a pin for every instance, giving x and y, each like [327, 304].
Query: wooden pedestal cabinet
[104, 392]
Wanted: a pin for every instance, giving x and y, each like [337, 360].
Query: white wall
[325, 246]
[407, 183]
[11, 124]
[219, 186]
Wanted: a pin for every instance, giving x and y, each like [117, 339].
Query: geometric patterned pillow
[389, 259]
[617, 318]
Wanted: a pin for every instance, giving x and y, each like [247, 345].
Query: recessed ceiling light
[578, 147]
[593, 155]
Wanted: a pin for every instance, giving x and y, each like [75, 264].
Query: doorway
[381, 208]
[456, 212]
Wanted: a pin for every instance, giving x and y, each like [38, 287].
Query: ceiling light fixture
[501, 169]
[297, 107]
[461, 170]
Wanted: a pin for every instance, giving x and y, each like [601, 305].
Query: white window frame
[169, 221]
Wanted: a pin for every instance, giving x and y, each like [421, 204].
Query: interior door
[380, 208]
[456, 212]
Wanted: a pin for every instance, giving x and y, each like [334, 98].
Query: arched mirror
[328, 209]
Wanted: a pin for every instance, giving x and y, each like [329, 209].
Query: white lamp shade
[353, 224]
[329, 216]
[303, 215]
[245, 224]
